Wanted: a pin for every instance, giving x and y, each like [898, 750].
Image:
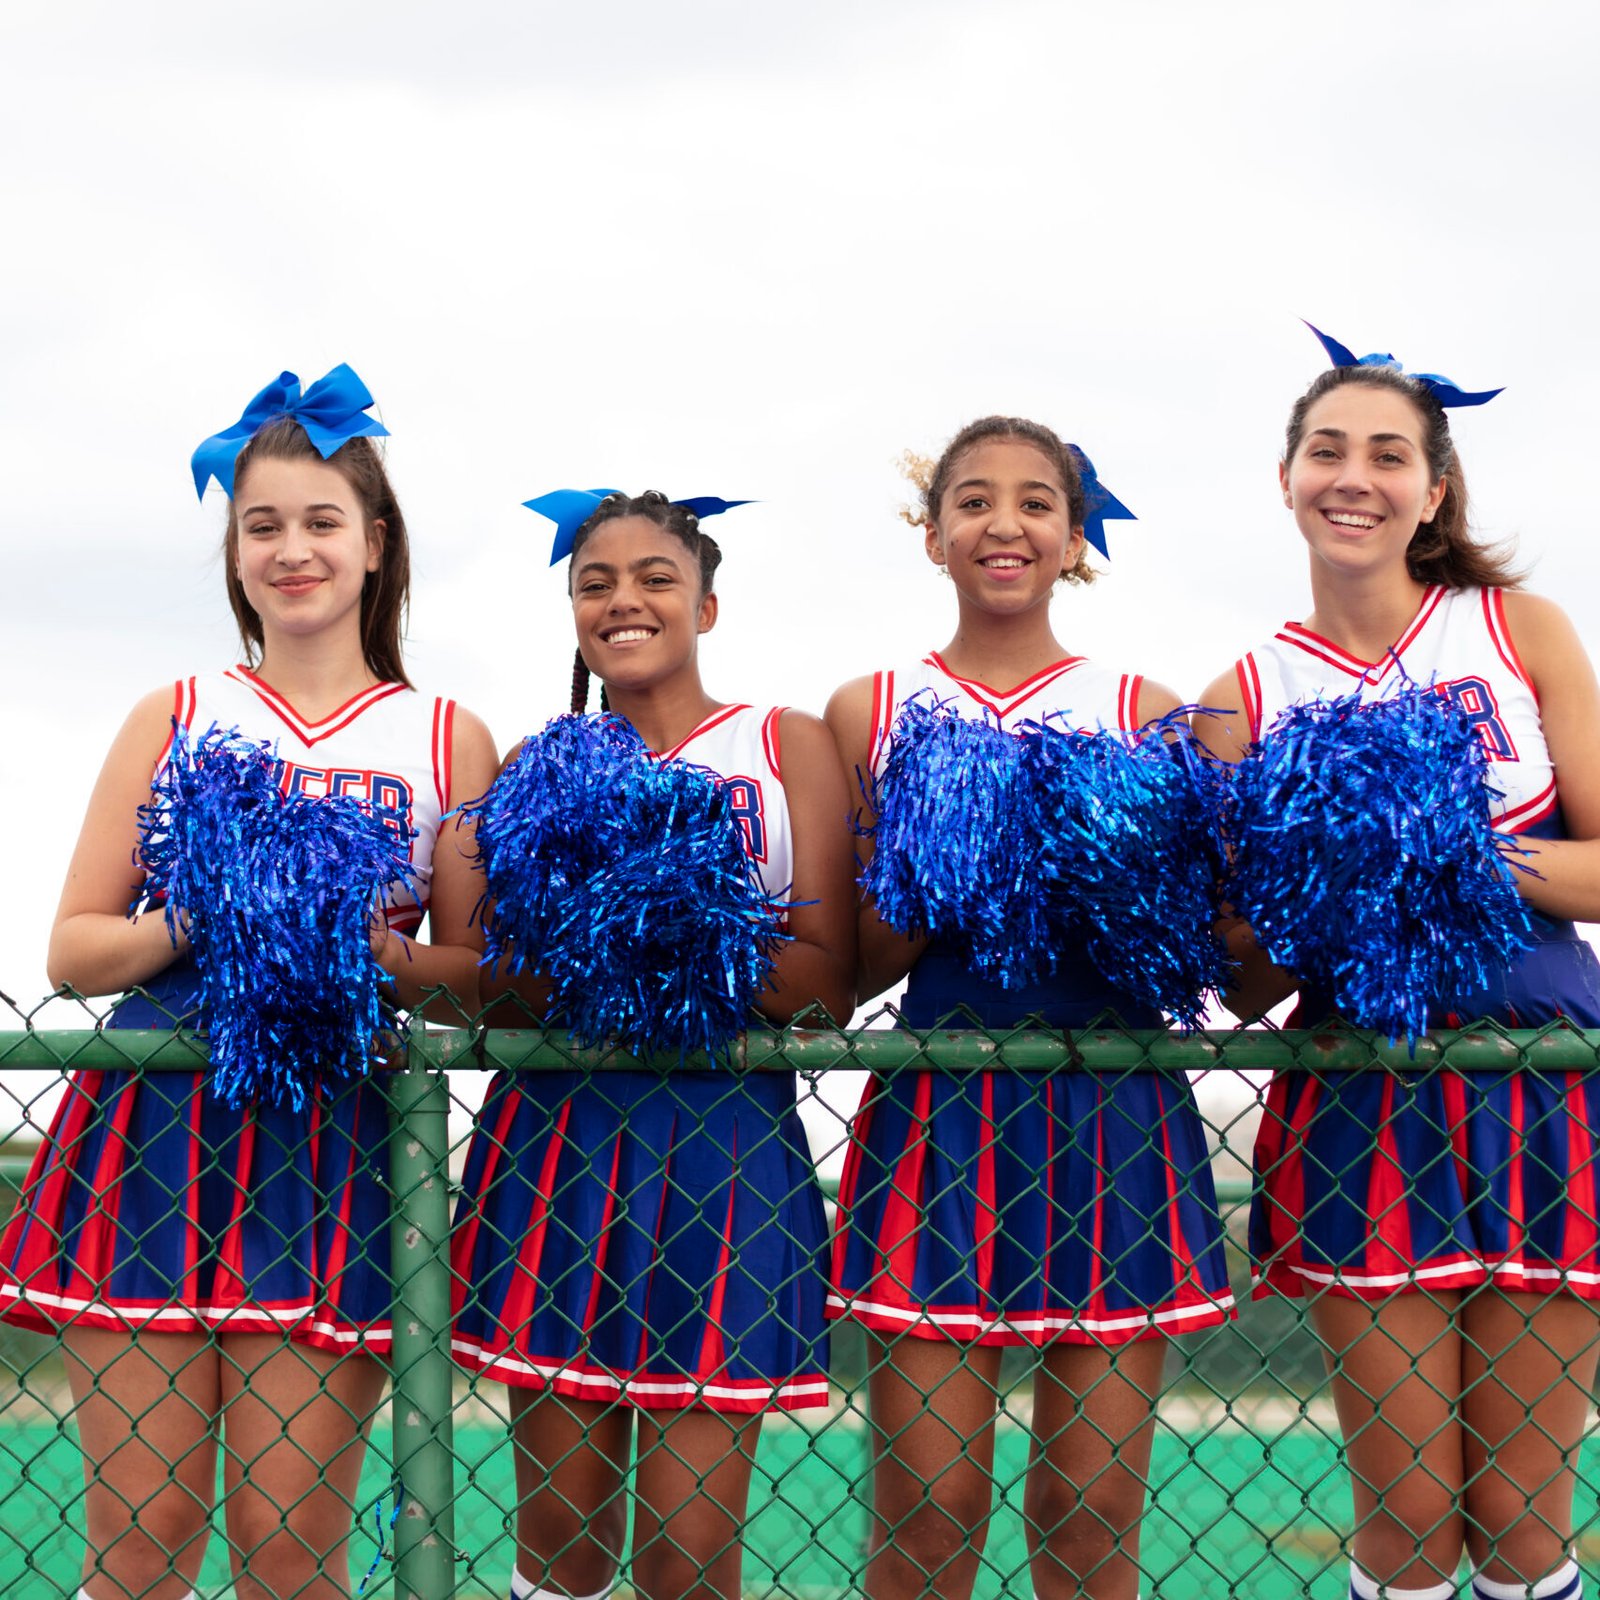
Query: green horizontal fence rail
[427, 1557]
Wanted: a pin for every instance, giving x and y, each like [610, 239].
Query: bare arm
[1563, 677]
[449, 960]
[817, 965]
[1259, 985]
[883, 956]
[93, 945]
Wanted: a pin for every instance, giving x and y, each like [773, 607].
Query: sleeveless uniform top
[1077, 696]
[1458, 643]
[739, 746]
[388, 745]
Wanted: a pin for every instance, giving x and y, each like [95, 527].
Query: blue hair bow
[1442, 389]
[569, 509]
[332, 411]
[1099, 504]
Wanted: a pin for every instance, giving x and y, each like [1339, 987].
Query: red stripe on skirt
[464, 1241]
[1516, 1194]
[523, 1291]
[713, 1343]
[642, 1359]
[1582, 1232]
[229, 1283]
[191, 1200]
[861, 1128]
[1183, 1276]
[988, 1217]
[1097, 1252]
[897, 1239]
[332, 1272]
[602, 1245]
[1386, 1198]
[100, 1227]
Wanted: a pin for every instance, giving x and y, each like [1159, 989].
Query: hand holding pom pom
[625, 881]
[1365, 859]
[276, 894]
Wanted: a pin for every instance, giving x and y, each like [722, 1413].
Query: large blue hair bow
[1442, 389]
[332, 411]
[1099, 504]
[569, 509]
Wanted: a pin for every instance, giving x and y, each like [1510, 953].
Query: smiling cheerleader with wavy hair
[1442, 1222]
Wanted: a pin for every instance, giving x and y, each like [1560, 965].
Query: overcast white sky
[753, 251]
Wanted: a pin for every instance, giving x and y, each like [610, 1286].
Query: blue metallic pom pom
[1022, 847]
[277, 894]
[625, 881]
[1365, 860]
[1130, 856]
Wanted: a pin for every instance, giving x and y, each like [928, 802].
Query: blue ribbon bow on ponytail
[1441, 388]
[569, 509]
[1099, 504]
[332, 411]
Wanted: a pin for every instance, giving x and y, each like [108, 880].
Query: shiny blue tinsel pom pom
[1020, 846]
[1130, 855]
[625, 881]
[1365, 860]
[277, 893]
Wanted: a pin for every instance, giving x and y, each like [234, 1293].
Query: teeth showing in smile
[629, 635]
[1352, 519]
[1004, 563]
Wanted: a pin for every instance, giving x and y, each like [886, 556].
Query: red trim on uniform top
[1494, 614]
[1132, 684]
[772, 740]
[1014, 696]
[310, 733]
[1249, 681]
[182, 716]
[646, 1389]
[444, 722]
[1313, 644]
[1430, 603]
[1520, 818]
[984, 1325]
[882, 710]
[715, 720]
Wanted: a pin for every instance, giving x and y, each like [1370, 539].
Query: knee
[571, 1547]
[1082, 1526]
[1510, 1535]
[936, 1523]
[285, 1551]
[666, 1570]
[164, 1539]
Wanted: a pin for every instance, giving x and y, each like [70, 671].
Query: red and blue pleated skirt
[1372, 1183]
[654, 1239]
[1021, 1207]
[152, 1206]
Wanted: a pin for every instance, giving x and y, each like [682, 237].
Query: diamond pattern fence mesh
[1025, 1467]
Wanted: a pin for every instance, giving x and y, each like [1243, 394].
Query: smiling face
[303, 548]
[636, 603]
[1003, 530]
[1359, 483]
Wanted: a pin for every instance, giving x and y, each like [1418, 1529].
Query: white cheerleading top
[739, 746]
[1458, 643]
[1080, 696]
[388, 745]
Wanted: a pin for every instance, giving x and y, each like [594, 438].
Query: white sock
[1364, 1588]
[1565, 1583]
[524, 1589]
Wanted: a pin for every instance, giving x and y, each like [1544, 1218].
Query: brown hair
[654, 507]
[933, 478]
[1443, 551]
[386, 594]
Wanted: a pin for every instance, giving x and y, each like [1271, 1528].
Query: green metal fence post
[420, 1405]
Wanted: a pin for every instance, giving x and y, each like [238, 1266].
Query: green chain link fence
[1247, 1489]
